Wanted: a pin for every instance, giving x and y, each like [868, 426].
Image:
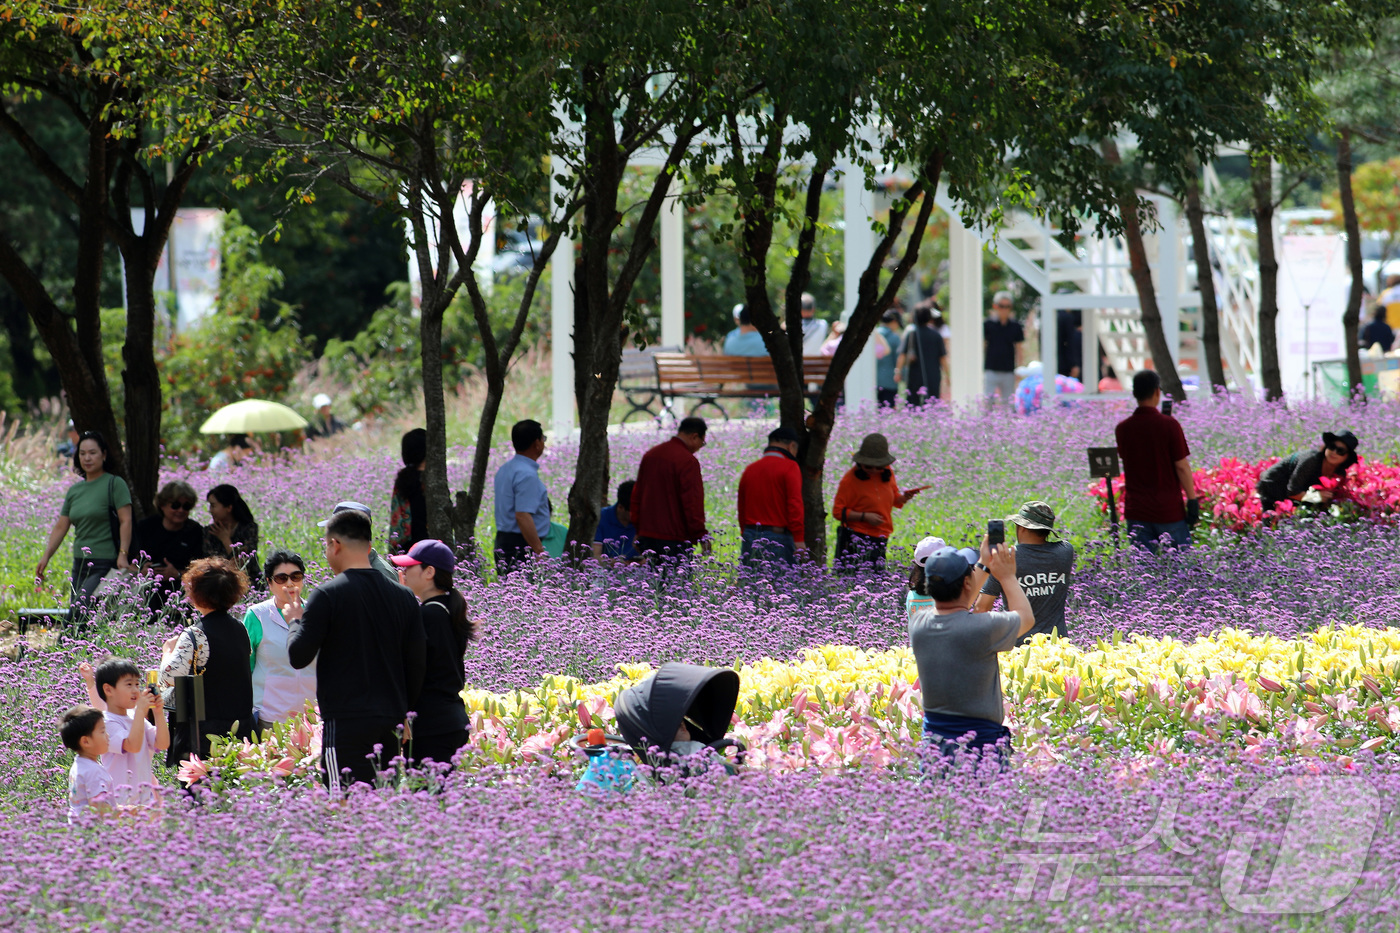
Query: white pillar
[1049, 345]
[965, 310]
[1089, 371]
[561, 323]
[860, 249]
[672, 223]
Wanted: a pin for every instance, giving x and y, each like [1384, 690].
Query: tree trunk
[595, 348]
[141, 380]
[438, 285]
[1262, 182]
[1351, 317]
[86, 391]
[872, 301]
[30, 378]
[599, 331]
[1205, 283]
[76, 345]
[1149, 310]
[141, 255]
[814, 512]
[761, 188]
[435, 488]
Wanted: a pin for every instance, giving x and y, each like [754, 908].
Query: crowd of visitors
[379, 649]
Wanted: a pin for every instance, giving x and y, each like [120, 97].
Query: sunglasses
[282, 579]
[1340, 451]
[182, 506]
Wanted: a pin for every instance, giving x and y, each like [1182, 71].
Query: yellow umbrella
[252, 416]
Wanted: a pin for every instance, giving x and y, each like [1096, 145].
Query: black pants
[347, 745]
[512, 552]
[439, 748]
[87, 575]
[673, 551]
[918, 394]
[886, 397]
[674, 558]
[857, 552]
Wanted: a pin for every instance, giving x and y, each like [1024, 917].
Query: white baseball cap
[926, 547]
[321, 401]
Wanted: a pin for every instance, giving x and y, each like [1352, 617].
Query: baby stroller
[651, 716]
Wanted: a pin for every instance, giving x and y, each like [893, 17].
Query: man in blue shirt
[744, 340]
[616, 537]
[522, 502]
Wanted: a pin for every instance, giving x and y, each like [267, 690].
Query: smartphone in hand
[1167, 407]
[996, 533]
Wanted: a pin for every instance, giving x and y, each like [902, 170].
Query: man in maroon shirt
[1156, 471]
[668, 498]
[770, 503]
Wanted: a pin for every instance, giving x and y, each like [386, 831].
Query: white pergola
[965, 312]
[1092, 277]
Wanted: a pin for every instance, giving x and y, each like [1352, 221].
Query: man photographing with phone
[956, 650]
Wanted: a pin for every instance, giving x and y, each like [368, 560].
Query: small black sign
[1103, 462]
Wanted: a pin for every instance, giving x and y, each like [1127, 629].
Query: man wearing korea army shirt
[1043, 568]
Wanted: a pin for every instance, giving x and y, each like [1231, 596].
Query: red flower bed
[1229, 498]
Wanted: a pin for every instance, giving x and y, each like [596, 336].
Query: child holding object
[84, 730]
[133, 741]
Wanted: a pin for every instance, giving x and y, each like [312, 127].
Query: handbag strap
[113, 527]
[195, 634]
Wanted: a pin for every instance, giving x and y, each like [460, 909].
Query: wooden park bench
[15, 636]
[708, 379]
[636, 378]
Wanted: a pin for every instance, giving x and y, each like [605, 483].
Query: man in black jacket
[365, 636]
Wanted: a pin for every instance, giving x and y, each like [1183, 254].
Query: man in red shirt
[1156, 471]
[668, 497]
[770, 503]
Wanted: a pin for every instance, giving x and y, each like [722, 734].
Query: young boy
[133, 741]
[89, 788]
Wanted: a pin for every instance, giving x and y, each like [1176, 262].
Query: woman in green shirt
[99, 544]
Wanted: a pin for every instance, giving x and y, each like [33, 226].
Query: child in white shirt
[84, 730]
[133, 741]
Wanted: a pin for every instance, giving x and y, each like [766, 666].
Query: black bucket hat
[1346, 437]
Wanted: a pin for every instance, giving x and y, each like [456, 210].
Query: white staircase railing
[1095, 276]
[1236, 273]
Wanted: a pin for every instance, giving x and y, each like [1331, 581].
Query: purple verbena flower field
[873, 849]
